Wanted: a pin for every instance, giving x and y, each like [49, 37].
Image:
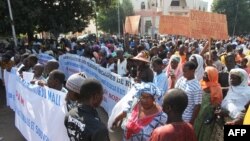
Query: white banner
[43, 58]
[115, 86]
[10, 81]
[39, 111]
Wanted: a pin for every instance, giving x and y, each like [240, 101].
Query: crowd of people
[183, 89]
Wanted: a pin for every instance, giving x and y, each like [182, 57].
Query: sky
[209, 4]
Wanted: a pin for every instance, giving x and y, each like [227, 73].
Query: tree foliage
[107, 18]
[238, 18]
[56, 16]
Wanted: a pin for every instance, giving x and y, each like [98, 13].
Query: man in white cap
[73, 85]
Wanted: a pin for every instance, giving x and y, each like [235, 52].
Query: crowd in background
[181, 86]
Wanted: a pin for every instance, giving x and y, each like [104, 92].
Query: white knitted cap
[75, 82]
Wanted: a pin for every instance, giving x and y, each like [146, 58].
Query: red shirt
[179, 131]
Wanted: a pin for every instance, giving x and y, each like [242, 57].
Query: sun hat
[142, 56]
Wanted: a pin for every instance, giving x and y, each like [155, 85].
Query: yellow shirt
[222, 59]
[247, 117]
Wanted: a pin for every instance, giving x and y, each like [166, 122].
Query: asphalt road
[8, 131]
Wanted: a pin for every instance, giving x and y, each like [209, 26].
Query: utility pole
[118, 15]
[12, 24]
[236, 16]
[96, 16]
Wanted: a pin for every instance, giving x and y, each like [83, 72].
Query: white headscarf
[237, 96]
[199, 71]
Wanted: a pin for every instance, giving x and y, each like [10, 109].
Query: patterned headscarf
[148, 88]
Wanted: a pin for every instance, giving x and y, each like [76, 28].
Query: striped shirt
[194, 93]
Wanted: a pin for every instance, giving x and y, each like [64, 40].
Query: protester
[238, 94]
[25, 67]
[143, 115]
[56, 80]
[83, 122]
[110, 64]
[182, 54]
[73, 85]
[191, 86]
[21, 64]
[244, 66]
[234, 102]
[160, 78]
[216, 62]
[6, 62]
[173, 70]
[212, 97]
[38, 71]
[121, 63]
[32, 61]
[144, 75]
[142, 63]
[239, 55]
[198, 60]
[50, 66]
[174, 103]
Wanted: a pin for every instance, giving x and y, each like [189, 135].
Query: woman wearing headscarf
[237, 97]
[198, 60]
[143, 75]
[211, 98]
[143, 115]
[238, 94]
[174, 70]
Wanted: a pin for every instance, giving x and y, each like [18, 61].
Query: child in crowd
[56, 80]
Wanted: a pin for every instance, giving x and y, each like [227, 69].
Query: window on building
[199, 8]
[204, 9]
[143, 5]
[175, 3]
[148, 24]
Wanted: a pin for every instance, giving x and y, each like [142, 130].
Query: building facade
[151, 10]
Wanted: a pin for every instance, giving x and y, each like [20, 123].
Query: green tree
[237, 12]
[4, 22]
[107, 20]
[55, 16]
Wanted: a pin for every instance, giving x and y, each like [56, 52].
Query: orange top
[238, 58]
[213, 85]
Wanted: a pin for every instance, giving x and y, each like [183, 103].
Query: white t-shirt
[122, 67]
